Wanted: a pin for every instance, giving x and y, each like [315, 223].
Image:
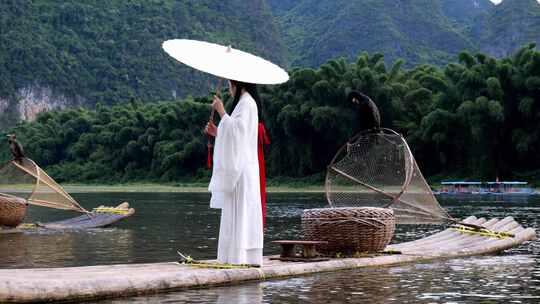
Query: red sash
[209, 157]
[263, 140]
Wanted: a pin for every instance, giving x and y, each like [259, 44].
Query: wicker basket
[12, 211]
[349, 230]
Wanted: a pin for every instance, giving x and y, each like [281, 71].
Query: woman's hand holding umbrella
[217, 105]
[210, 129]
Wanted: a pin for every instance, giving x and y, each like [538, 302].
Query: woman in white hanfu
[235, 177]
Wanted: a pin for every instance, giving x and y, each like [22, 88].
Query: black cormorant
[15, 147]
[368, 111]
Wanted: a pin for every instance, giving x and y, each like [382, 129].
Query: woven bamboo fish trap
[349, 230]
[12, 210]
[372, 183]
[376, 168]
[33, 186]
[23, 182]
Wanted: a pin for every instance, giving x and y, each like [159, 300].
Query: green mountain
[508, 26]
[420, 31]
[280, 7]
[463, 12]
[315, 31]
[55, 54]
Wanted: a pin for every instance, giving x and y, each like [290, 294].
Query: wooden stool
[309, 252]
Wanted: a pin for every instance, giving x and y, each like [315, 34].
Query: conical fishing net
[377, 169]
[27, 180]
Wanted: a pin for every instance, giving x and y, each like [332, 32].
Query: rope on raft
[483, 232]
[27, 226]
[188, 260]
[111, 210]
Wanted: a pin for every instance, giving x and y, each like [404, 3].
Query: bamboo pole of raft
[470, 241]
[439, 237]
[470, 219]
[497, 244]
[483, 242]
[458, 240]
[472, 247]
[448, 236]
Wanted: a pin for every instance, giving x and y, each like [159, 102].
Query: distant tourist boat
[493, 188]
[511, 187]
[460, 187]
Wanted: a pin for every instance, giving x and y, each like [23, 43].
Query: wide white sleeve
[231, 140]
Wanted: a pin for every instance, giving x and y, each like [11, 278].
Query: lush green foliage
[476, 117]
[131, 142]
[110, 51]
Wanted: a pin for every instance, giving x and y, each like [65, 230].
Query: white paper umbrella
[225, 62]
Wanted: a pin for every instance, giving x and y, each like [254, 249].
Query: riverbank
[173, 188]
[186, 188]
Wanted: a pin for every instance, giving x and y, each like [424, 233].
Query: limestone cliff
[29, 101]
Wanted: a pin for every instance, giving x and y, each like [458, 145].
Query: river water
[167, 222]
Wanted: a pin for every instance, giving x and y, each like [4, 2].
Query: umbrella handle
[218, 87]
[218, 94]
[211, 118]
[210, 142]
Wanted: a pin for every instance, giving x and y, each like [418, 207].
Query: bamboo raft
[99, 217]
[110, 281]
[28, 184]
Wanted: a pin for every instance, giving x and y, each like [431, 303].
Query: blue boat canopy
[514, 183]
[461, 183]
[506, 183]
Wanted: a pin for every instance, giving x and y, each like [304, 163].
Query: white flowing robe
[235, 185]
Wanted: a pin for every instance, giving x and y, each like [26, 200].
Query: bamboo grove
[476, 117]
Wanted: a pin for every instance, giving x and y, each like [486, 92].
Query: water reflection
[167, 222]
[250, 293]
[70, 248]
[163, 223]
